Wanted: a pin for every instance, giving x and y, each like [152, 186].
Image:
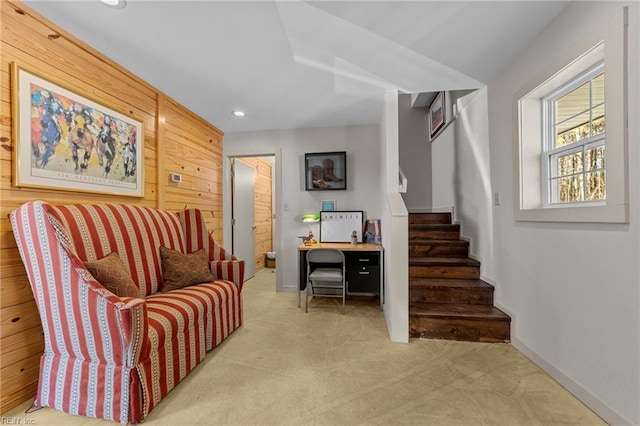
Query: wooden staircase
[447, 298]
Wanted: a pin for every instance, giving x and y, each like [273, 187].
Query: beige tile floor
[285, 367]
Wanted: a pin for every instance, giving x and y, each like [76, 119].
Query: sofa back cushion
[197, 235]
[136, 233]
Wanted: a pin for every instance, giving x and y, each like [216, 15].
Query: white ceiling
[296, 64]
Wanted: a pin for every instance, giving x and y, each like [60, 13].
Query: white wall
[415, 154]
[444, 175]
[289, 146]
[394, 226]
[573, 289]
[462, 177]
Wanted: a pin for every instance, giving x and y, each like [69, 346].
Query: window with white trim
[573, 157]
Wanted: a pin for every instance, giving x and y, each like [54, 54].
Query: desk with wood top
[363, 267]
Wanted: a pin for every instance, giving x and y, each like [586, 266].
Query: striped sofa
[110, 357]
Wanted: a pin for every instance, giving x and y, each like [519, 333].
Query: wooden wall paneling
[16, 291]
[196, 154]
[17, 318]
[160, 172]
[11, 265]
[5, 87]
[264, 210]
[21, 345]
[199, 128]
[7, 241]
[5, 225]
[5, 120]
[42, 48]
[19, 365]
[19, 382]
[193, 159]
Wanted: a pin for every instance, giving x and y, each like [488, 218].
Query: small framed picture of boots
[325, 171]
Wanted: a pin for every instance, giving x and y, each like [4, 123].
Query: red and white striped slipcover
[110, 357]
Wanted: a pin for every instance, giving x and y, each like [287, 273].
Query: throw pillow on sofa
[182, 270]
[113, 275]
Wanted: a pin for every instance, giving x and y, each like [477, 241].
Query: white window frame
[550, 153]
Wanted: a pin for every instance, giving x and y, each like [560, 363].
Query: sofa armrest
[80, 318]
[117, 326]
[125, 319]
[230, 270]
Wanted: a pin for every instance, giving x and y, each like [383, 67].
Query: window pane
[575, 156]
[574, 102]
[570, 189]
[570, 164]
[573, 130]
[596, 186]
[595, 158]
[598, 120]
[597, 91]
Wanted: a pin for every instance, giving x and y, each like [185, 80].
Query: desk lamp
[310, 218]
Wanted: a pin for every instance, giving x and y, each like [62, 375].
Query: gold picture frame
[67, 142]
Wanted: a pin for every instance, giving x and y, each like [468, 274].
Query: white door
[243, 217]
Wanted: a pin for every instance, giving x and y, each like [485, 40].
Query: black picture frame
[338, 226]
[437, 114]
[325, 171]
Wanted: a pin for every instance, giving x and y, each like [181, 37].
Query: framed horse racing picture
[67, 142]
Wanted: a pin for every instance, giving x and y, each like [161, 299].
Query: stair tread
[433, 241]
[424, 282]
[443, 261]
[457, 311]
[429, 213]
[434, 226]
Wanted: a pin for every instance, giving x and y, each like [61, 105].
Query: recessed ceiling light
[116, 4]
[238, 113]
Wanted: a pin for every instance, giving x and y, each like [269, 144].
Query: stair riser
[460, 329]
[429, 218]
[425, 234]
[451, 296]
[438, 250]
[465, 272]
[446, 296]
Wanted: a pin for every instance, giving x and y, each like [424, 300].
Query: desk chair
[325, 271]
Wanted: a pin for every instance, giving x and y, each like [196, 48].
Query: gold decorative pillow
[113, 275]
[181, 270]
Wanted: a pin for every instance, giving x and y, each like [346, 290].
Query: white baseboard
[579, 391]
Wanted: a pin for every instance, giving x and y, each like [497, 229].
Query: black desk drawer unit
[363, 272]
